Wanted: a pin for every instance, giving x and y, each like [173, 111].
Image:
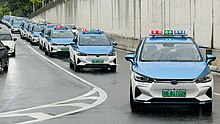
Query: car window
[37, 29]
[62, 34]
[16, 26]
[94, 41]
[5, 37]
[170, 52]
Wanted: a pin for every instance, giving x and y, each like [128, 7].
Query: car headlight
[81, 54]
[204, 79]
[142, 78]
[112, 54]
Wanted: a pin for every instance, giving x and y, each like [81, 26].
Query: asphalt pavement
[40, 89]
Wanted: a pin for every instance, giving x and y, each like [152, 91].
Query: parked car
[92, 49]
[8, 41]
[58, 41]
[168, 68]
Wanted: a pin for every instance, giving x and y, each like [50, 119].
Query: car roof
[169, 39]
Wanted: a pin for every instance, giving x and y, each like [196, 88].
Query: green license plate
[99, 61]
[65, 49]
[173, 93]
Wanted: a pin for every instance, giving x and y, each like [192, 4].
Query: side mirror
[73, 44]
[210, 58]
[130, 58]
[114, 44]
[41, 34]
[15, 39]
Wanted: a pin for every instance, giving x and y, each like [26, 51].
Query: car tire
[135, 107]
[75, 67]
[13, 54]
[207, 108]
[46, 53]
[40, 47]
[49, 53]
[71, 64]
[113, 68]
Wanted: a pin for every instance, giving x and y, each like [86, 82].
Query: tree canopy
[22, 8]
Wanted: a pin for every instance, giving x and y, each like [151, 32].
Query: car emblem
[174, 82]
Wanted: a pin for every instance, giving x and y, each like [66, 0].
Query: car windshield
[62, 34]
[5, 37]
[17, 23]
[186, 52]
[37, 29]
[94, 41]
[16, 26]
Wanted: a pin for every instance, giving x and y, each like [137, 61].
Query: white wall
[134, 18]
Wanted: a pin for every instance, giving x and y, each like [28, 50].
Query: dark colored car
[4, 61]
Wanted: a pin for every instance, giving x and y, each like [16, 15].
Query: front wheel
[207, 108]
[135, 107]
[50, 54]
[75, 67]
[13, 54]
[113, 68]
[71, 64]
[6, 65]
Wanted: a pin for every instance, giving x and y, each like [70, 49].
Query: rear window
[37, 29]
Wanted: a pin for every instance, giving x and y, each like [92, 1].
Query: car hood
[66, 41]
[7, 42]
[172, 70]
[95, 49]
[36, 33]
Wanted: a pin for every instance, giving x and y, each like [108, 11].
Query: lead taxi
[92, 49]
[169, 68]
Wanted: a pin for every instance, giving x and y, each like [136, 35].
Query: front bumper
[60, 49]
[151, 93]
[102, 61]
[15, 30]
[35, 39]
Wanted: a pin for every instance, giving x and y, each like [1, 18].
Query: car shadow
[177, 111]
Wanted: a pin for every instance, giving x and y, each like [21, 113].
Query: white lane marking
[218, 94]
[99, 100]
[37, 115]
[216, 73]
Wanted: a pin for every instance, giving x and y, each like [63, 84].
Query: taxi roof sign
[168, 32]
[92, 31]
[60, 27]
